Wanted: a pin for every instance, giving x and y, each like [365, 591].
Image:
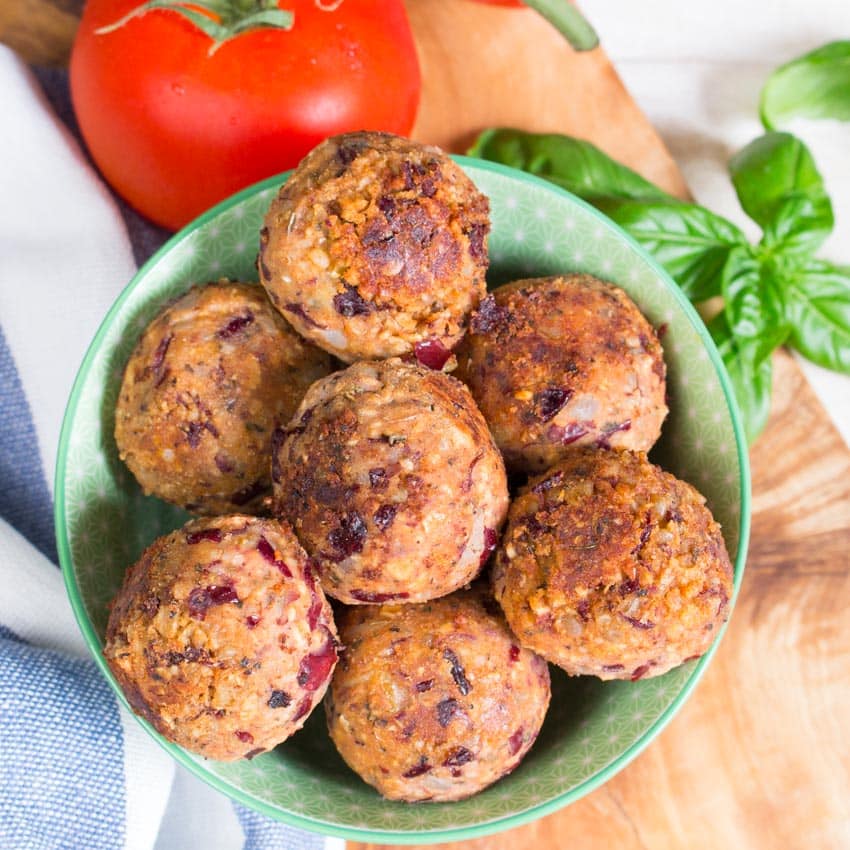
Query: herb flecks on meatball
[435, 701]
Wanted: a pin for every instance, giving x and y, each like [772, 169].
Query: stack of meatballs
[381, 481]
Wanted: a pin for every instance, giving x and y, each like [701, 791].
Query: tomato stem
[232, 17]
[567, 19]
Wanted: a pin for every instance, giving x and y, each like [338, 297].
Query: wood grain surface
[41, 31]
[759, 757]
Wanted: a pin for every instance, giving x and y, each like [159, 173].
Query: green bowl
[593, 729]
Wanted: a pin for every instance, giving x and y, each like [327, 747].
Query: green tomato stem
[235, 17]
[567, 19]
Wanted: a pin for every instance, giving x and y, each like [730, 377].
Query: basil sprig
[780, 189]
[774, 292]
[816, 85]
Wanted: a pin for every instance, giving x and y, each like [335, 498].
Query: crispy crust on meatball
[391, 481]
[611, 567]
[435, 701]
[560, 362]
[209, 380]
[222, 638]
[375, 245]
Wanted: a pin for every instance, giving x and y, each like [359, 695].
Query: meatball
[612, 567]
[560, 362]
[391, 481]
[435, 701]
[221, 637]
[210, 378]
[376, 247]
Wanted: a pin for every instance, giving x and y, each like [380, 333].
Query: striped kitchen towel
[76, 770]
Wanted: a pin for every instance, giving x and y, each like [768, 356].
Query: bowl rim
[357, 833]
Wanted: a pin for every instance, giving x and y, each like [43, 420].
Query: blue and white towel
[76, 770]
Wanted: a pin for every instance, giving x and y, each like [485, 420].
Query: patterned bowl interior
[593, 728]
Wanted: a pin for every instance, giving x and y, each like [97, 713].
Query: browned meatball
[391, 481]
[612, 567]
[434, 701]
[377, 246]
[210, 378]
[560, 362]
[221, 637]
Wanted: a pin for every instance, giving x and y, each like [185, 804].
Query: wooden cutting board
[759, 757]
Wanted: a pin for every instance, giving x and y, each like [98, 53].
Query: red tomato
[175, 130]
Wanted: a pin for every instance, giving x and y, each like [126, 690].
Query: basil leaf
[816, 85]
[800, 227]
[751, 383]
[780, 188]
[753, 303]
[770, 169]
[818, 299]
[573, 164]
[691, 242]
